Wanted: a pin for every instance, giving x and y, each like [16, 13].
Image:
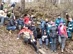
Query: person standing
[70, 28]
[62, 30]
[53, 35]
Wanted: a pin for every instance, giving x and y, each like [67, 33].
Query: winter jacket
[33, 28]
[39, 33]
[70, 29]
[26, 20]
[11, 22]
[70, 26]
[27, 33]
[53, 32]
[20, 22]
[60, 20]
[62, 30]
[43, 24]
[48, 28]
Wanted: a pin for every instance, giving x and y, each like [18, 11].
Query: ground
[10, 45]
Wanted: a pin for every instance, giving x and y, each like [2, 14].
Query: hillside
[10, 45]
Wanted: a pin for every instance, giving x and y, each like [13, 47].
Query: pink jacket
[63, 31]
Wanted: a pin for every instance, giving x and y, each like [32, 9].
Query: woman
[53, 35]
[62, 35]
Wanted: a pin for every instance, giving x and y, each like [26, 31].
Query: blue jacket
[70, 26]
[43, 24]
[60, 20]
[48, 28]
[11, 22]
[20, 22]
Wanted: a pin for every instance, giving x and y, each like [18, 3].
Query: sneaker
[46, 47]
[62, 50]
[40, 47]
[55, 51]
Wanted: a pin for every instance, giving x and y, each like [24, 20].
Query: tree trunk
[0, 2]
[23, 6]
[59, 1]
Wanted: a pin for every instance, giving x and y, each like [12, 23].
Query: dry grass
[10, 45]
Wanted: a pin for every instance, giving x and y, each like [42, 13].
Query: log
[41, 51]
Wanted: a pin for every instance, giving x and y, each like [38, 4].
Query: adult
[70, 28]
[20, 23]
[33, 28]
[59, 20]
[26, 19]
[39, 36]
[27, 36]
[12, 24]
[42, 26]
[53, 35]
[62, 35]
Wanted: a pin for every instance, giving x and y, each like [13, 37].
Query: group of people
[50, 32]
[55, 32]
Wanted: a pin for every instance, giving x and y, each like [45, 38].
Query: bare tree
[23, 5]
[0, 2]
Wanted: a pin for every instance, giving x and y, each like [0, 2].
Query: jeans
[34, 45]
[46, 41]
[53, 44]
[1, 20]
[31, 43]
[62, 41]
[11, 28]
[42, 29]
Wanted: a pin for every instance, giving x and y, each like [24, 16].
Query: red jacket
[26, 20]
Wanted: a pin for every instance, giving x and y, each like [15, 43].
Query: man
[20, 23]
[70, 28]
[28, 36]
